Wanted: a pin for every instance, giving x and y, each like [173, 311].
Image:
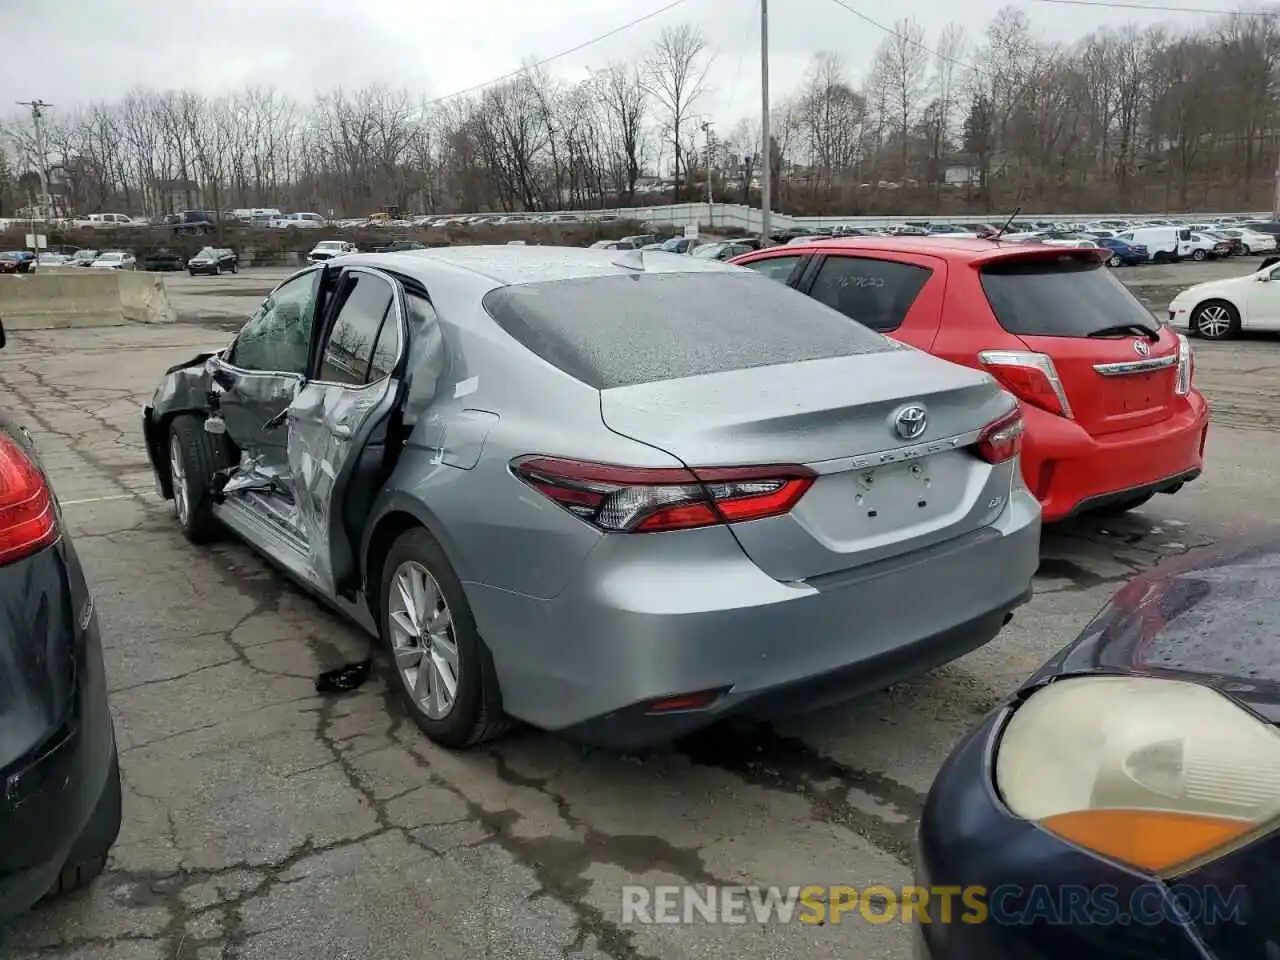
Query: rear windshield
[1062, 297]
[623, 330]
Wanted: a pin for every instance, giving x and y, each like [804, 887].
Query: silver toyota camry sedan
[617, 494]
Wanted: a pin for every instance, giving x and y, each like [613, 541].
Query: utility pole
[37, 117]
[766, 146]
[711, 215]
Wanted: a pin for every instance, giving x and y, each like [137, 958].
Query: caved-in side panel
[326, 425]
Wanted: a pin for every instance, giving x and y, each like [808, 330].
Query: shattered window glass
[278, 335]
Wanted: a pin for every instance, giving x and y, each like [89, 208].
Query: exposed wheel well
[387, 532]
[159, 442]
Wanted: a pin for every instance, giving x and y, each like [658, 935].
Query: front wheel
[195, 457]
[1246, 251]
[235, 268]
[1216, 320]
[1198, 255]
[444, 674]
[1114, 261]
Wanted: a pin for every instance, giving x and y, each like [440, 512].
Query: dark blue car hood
[1211, 616]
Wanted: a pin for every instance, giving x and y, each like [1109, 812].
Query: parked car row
[1130, 242]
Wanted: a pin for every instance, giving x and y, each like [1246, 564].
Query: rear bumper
[49, 790]
[1071, 471]
[638, 627]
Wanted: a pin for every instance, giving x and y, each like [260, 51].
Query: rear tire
[1215, 320]
[195, 456]
[1245, 251]
[475, 712]
[1198, 255]
[1123, 506]
[1114, 261]
[88, 857]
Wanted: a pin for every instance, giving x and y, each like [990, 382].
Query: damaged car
[607, 493]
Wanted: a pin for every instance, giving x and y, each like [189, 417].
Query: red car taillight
[1030, 377]
[27, 519]
[1186, 367]
[1001, 439]
[648, 500]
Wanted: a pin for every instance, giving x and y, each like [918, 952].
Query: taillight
[1030, 377]
[648, 500]
[1186, 367]
[27, 519]
[1001, 439]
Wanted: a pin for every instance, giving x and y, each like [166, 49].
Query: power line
[556, 56]
[1162, 8]
[894, 33]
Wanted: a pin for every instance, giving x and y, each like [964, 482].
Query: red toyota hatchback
[1111, 415]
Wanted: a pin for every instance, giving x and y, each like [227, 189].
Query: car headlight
[1158, 774]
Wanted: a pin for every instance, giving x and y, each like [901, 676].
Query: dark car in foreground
[60, 797]
[594, 490]
[213, 261]
[1125, 803]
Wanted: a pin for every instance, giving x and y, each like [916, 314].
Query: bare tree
[625, 99]
[675, 76]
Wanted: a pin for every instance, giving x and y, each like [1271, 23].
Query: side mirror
[1261, 278]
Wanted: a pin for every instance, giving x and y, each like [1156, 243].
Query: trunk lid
[878, 495]
[1118, 366]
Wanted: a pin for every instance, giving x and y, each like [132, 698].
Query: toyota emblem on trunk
[1142, 348]
[910, 422]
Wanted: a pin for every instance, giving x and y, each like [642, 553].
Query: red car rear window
[1060, 297]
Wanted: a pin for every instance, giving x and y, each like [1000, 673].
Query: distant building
[171, 196]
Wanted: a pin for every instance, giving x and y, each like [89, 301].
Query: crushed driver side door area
[335, 415]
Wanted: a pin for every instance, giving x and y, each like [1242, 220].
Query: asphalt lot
[264, 821]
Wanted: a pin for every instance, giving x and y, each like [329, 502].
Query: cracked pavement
[265, 821]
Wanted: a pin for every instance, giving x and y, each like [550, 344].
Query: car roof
[504, 264]
[956, 249]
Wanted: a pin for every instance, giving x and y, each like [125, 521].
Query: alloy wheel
[1213, 321]
[178, 475]
[422, 640]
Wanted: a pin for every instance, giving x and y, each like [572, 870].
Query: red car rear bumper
[1069, 470]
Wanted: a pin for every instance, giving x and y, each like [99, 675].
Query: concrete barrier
[144, 299]
[51, 299]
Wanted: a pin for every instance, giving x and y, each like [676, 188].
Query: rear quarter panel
[498, 402]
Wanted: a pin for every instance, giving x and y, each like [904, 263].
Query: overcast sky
[68, 53]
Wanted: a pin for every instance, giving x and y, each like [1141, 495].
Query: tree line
[1131, 118]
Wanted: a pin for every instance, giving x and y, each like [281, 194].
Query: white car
[300, 221]
[115, 260]
[52, 259]
[1252, 240]
[1220, 309]
[328, 249]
